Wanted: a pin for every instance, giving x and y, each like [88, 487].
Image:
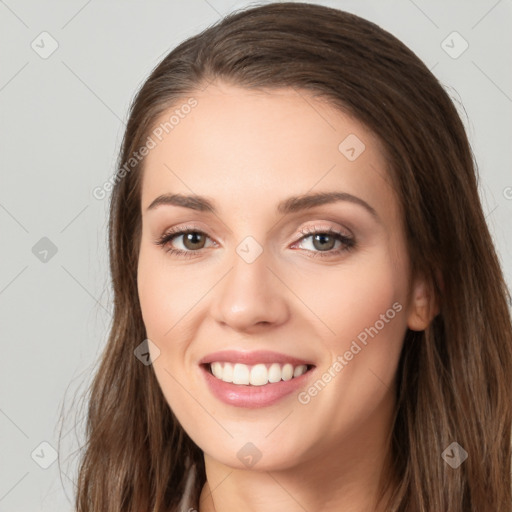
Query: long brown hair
[454, 378]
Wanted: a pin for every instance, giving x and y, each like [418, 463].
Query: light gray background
[61, 123]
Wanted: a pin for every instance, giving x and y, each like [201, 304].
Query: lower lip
[253, 396]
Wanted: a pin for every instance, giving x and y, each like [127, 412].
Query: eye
[324, 240]
[193, 241]
[322, 244]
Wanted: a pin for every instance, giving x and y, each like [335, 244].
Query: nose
[250, 296]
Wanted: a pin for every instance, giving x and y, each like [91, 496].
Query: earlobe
[423, 306]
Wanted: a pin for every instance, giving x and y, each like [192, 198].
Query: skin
[247, 151]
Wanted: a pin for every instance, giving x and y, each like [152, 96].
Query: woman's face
[257, 292]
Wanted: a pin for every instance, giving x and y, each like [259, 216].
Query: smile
[256, 375]
[254, 379]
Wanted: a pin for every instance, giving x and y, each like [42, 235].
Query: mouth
[254, 379]
[260, 374]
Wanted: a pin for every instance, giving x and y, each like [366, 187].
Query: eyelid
[326, 228]
[181, 228]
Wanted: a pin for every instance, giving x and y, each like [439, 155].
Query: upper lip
[251, 358]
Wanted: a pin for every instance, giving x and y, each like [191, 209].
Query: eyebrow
[290, 205]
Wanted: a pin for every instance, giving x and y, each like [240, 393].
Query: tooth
[258, 375]
[299, 370]
[227, 373]
[217, 369]
[240, 374]
[274, 373]
[287, 372]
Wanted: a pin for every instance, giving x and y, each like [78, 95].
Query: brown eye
[187, 242]
[193, 240]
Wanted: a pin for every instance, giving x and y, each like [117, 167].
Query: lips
[253, 358]
[250, 379]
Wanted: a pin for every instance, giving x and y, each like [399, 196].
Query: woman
[309, 312]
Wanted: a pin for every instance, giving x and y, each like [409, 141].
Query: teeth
[274, 373]
[257, 375]
[216, 369]
[240, 374]
[287, 372]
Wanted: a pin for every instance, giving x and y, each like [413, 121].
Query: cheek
[165, 296]
[154, 298]
[363, 306]
[165, 299]
[352, 297]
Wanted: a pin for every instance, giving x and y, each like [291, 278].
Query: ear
[423, 306]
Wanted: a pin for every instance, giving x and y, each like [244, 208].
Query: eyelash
[348, 243]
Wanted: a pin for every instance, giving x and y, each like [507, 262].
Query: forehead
[250, 148]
